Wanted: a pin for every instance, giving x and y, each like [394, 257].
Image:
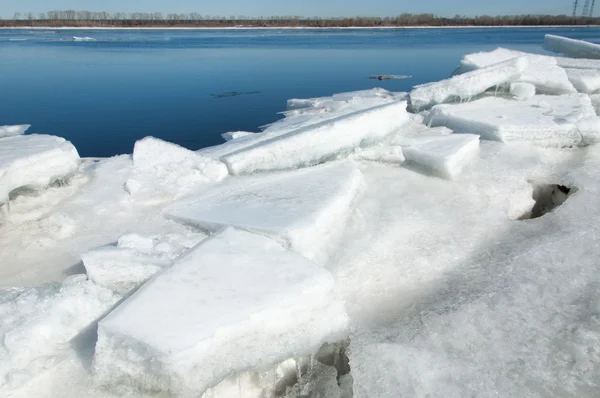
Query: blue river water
[106, 93]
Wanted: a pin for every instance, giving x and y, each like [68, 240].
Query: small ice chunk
[467, 85]
[34, 161]
[122, 270]
[522, 90]
[319, 143]
[307, 209]
[571, 47]
[543, 120]
[135, 259]
[589, 129]
[384, 154]
[585, 80]
[542, 71]
[9, 131]
[232, 135]
[237, 301]
[38, 325]
[445, 156]
[162, 170]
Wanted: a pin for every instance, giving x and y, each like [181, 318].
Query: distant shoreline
[290, 27]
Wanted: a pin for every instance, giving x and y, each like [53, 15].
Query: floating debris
[390, 77]
[233, 94]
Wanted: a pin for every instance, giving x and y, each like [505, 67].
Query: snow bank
[542, 120]
[163, 171]
[445, 156]
[34, 161]
[522, 90]
[541, 71]
[126, 266]
[305, 209]
[39, 324]
[319, 143]
[9, 131]
[571, 48]
[234, 302]
[467, 85]
[585, 80]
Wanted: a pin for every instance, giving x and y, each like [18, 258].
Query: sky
[321, 8]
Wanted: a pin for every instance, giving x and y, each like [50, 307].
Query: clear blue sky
[322, 8]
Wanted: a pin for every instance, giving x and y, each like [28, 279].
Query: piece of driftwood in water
[233, 94]
[389, 77]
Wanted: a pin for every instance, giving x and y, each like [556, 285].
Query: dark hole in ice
[547, 198]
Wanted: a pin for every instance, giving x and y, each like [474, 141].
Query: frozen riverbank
[350, 249]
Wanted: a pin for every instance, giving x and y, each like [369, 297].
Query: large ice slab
[542, 71]
[10, 131]
[303, 113]
[571, 47]
[134, 259]
[236, 301]
[542, 120]
[38, 325]
[445, 156]
[306, 209]
[320, 142]
[585, 80]
[162, 170]
[467, 85]
[34, 161]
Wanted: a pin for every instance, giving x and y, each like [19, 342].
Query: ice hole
[547, 198]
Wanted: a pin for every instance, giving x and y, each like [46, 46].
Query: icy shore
[439, 243]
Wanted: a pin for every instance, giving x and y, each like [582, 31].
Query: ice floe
[34, 161]
[237, 301]
[543, 120]
[304, 209]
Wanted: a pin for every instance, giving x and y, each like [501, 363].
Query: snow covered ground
[350, 249]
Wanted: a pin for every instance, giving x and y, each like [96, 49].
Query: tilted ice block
[237, 301]
[9, 131]
[307, 112]
[542, 71]
[135, 259]
[572, 48]
[445, 156]
[34, 161]
[162, 170]
[305, 209]
[321, 142]
[585, 80]
[38, 325]
[543, 120]
[466, 85]
[522, 90]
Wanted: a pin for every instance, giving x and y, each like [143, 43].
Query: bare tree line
[158, 19]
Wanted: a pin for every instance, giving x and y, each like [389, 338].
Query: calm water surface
[105, 94]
